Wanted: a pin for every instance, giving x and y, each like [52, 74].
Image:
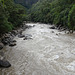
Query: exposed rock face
[4, 64]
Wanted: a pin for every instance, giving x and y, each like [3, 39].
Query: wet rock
[20, 31]
[6, 41]
[27, 38]
[4, 64]
[2, 53]
[30, 27]
[28, 35]
[6, 35]
[12, 44]
[21, 36]
[25, 27]
[52, 31]
[33, 25]
[13, 41]
[14, 32]
[53, 27]
[1, 46]
[6, 38]
[56, 34]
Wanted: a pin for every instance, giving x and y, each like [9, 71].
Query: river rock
[6, 41]
[13, 41]
[12, 44]
[56, 34]
[53, 27]
[1, 46]
[4, 64]
[52, 31]
[6, 35]
[14, 32]
[6, 38]
[33, 25]
[21, 36]
[27, 36]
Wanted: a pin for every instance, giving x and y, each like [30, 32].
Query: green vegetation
[58, 12]
[71, 19]
[11, 15]
[26, 3]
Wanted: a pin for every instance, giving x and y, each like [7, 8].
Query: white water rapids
[47, 53]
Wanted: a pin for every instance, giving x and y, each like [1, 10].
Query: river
[49, 52]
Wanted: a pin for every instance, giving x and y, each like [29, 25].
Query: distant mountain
[26, 3]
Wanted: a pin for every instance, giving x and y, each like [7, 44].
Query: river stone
[1, 46]
[21, 36]
[12, 44]
[53, 27]
[13, 41]
[27, 38]
[14, 32]
[4, 64]
[6, 41]
[52, 31]
[33, 25]
[6, 35]
[56, 34]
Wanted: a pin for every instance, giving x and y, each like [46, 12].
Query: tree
[71, 19]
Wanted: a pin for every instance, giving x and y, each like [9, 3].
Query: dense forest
[26, 3]
[11, 15]
[58, 12]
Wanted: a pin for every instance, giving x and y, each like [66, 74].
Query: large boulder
[4, 64]
[1, 46]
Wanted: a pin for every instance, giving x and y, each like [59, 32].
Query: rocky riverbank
[8, 39]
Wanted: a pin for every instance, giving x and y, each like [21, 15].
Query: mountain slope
[26, 3]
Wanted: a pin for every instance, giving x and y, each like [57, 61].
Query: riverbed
[49, 52]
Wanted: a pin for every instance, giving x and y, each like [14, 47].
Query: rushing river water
[47, 53]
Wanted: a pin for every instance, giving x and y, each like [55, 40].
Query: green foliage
[5, 26]
[17, 15]
[54, 12]
[11, 15]
[26, 3]
[71, 18]
[58, 12]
